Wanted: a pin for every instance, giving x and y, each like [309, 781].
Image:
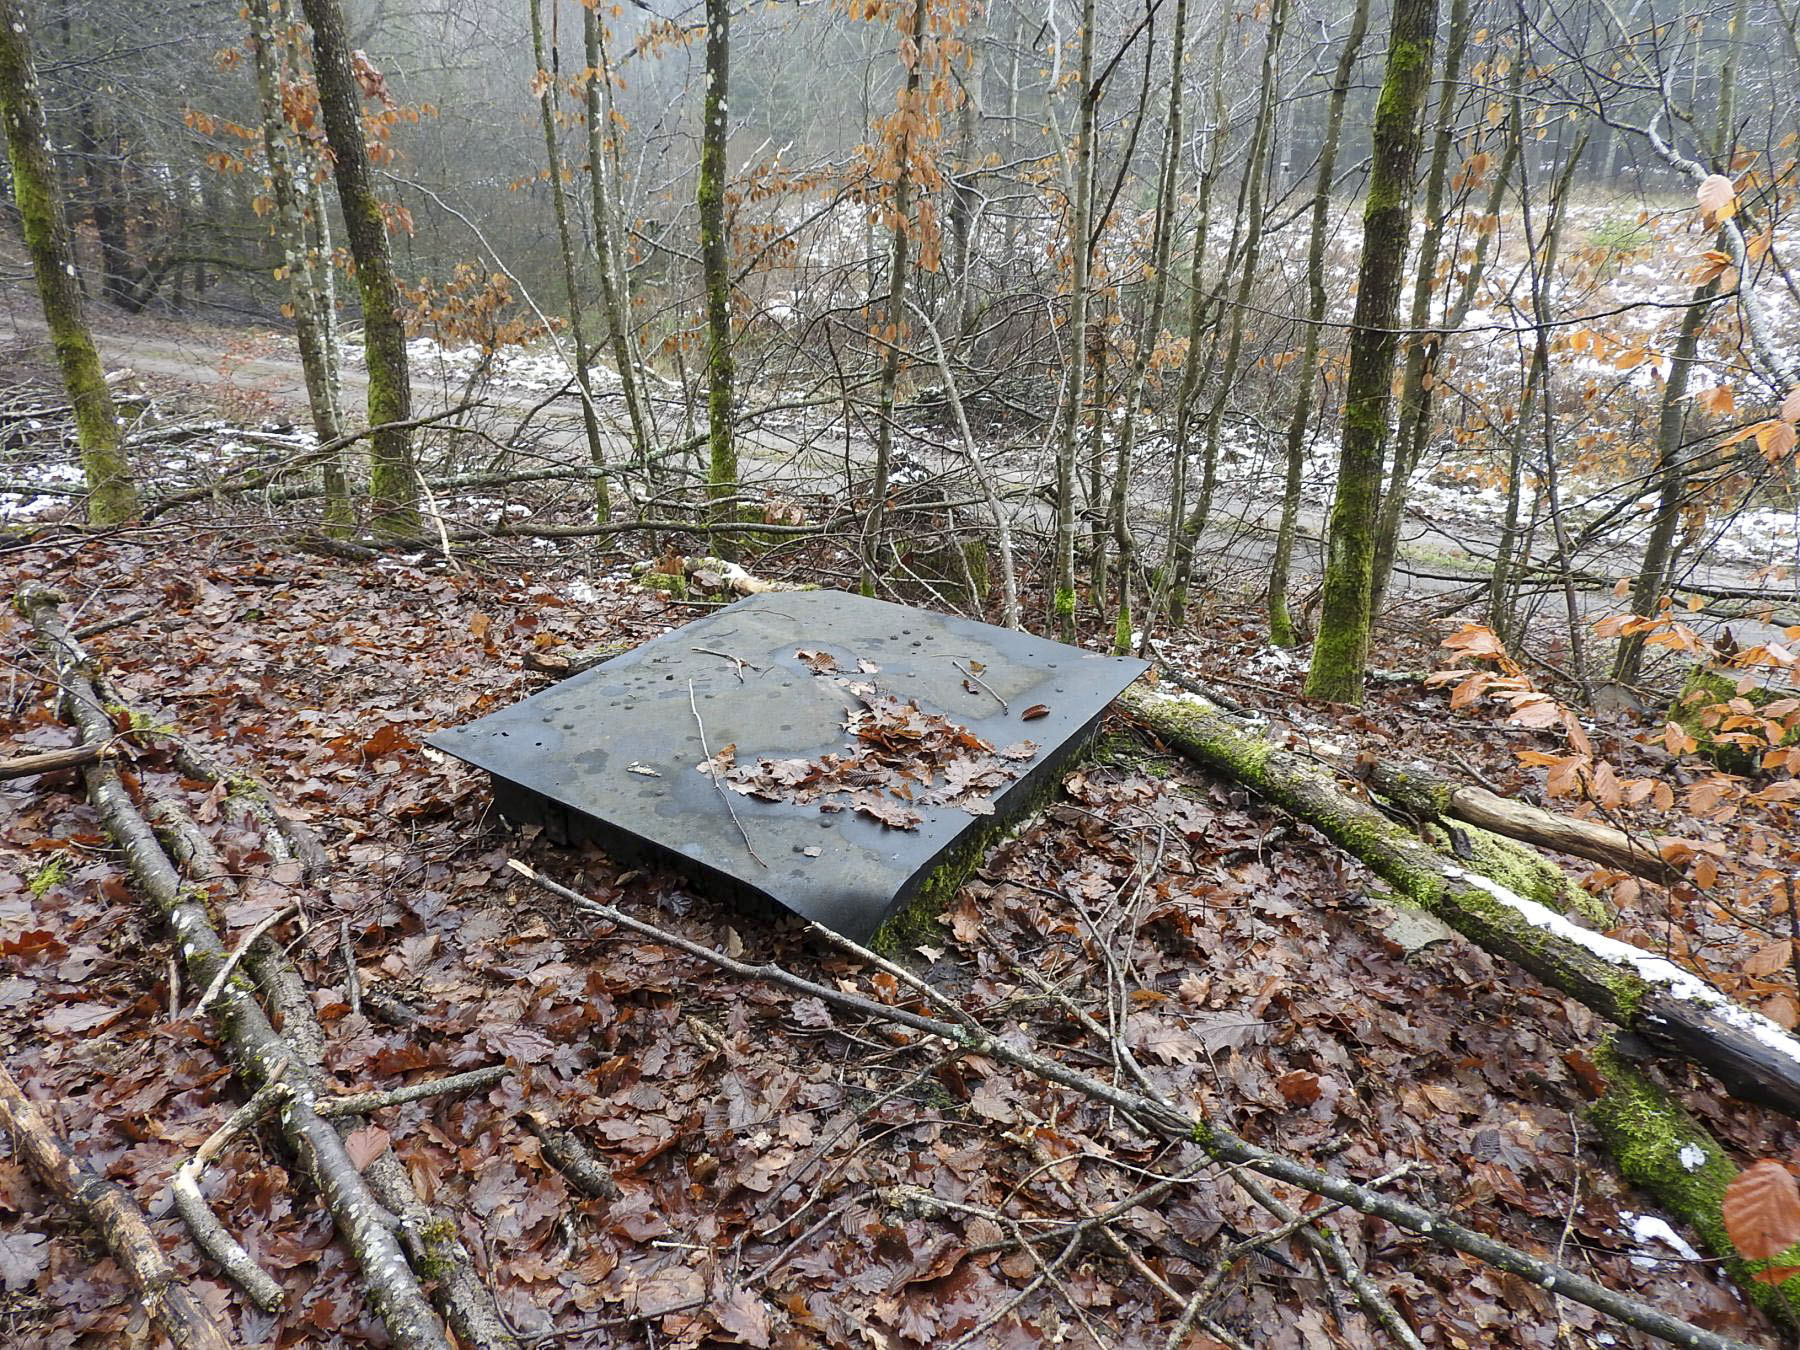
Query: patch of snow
[1648, 1228]
[1692, 1157]
[1668, 977]
[582, 592]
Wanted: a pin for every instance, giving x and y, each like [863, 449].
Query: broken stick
[1170, 1121]
[121, 1223]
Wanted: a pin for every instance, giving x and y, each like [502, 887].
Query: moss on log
[1671, 1009]
[1664, 1151]
[1433, 796]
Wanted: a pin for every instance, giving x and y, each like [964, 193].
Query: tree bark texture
[1341, 653]
[112, 497]
[393, 482]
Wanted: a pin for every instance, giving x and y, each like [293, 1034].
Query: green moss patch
[1739, 750]
[1665, 1152]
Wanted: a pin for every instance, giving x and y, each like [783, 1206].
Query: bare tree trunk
[899, 259]
[1162, 241]
[290, 231]
[1281, 624]
[1195, 524]
[393, 481]
[722, 467]
[1080, 228]
[615, 291]
[1199, 307]
[1341, 653]
[112, 497]
[547, 79]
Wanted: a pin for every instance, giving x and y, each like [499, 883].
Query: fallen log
[120, 1222]
[28, 766]
[1425, 793]
[257, 1052]
[1669, 1008]
[429, 1238]
[1175, 1122]
[1663, 1150]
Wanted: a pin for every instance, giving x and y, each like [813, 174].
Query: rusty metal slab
[614, 755]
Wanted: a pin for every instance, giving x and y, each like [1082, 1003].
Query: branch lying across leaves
[1173, 1122]
[121, 1224]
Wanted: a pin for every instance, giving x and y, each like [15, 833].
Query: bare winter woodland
[1414, 958]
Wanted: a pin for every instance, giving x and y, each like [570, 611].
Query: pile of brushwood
[305, 1046]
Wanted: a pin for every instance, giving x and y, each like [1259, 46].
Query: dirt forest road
[245, 369]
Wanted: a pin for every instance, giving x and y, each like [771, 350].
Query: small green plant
[52, 873]
[1615, 239]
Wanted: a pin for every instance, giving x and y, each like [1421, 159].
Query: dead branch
[245, 943]
[1668, 1007]
[1170, 1121]
[208, 1233]
[580, 1165]
[256, 476]
[427, 1237]
[730, 810]
[121, 1224]
[27, 766]
[362, 1103]
[1428, 794]
[257, 1052]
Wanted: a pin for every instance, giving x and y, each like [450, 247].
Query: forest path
[253, 367]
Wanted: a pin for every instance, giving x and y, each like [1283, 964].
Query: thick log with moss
[1663, 1150]
[1669, 1008]
[1433, 796]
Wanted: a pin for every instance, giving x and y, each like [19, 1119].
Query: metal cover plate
[574, 754]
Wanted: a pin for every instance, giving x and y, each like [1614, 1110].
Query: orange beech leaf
[1761, 1210]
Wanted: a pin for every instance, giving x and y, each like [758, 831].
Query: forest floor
[753, 1135]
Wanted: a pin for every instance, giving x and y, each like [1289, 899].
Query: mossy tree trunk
[1062, 599]
[546, 82]
[1670, 1009]
[722, 466]
[290, 232]
[1421, 348]
[615, 293]
[1340, 655]
[1281, 623]
[393, 479]
[911, 121]
[112, 497]
[1162, 240]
